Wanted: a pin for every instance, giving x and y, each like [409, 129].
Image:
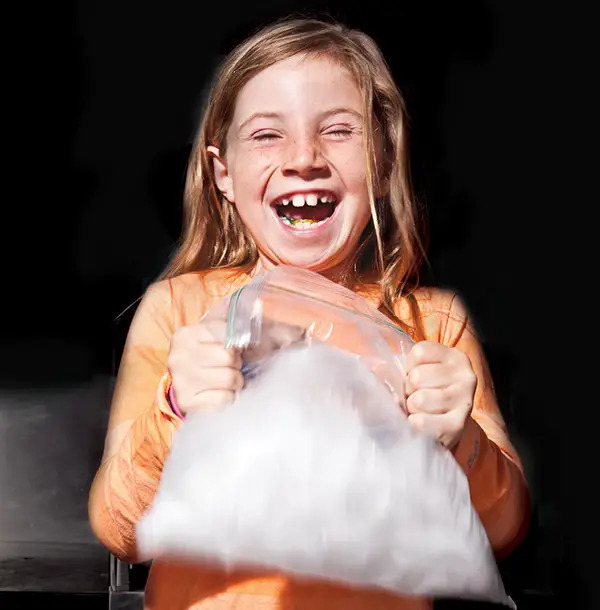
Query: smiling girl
[301, 159]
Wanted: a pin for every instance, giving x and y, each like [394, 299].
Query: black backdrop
[104, 101]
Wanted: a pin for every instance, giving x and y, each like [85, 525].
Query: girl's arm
[140, 430]
[498, 488]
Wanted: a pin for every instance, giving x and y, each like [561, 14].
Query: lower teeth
[301, 223]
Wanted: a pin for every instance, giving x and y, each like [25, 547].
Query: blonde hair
[214, 236]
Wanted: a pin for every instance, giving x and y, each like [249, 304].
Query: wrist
[170, 396]
[466, 451]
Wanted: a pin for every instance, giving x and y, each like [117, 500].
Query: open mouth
[305, 210]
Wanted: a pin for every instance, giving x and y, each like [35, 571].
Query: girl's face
[295, 165]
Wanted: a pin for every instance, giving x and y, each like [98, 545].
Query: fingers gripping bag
[314, 470]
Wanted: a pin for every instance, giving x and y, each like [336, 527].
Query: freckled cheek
[351, 164]
[252, 175]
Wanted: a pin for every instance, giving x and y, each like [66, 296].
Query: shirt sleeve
[140, 430]
[498, 488]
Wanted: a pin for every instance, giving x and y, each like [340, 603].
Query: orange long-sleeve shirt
[142, 425]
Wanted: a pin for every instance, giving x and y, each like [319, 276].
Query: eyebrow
[259, 115]
[341, 110]
[277, 115]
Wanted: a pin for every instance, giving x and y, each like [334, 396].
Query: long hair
[214, 235]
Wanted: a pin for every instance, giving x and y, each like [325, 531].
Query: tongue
[316, 213]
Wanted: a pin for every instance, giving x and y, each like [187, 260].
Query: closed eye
[339, 132]
[265, 136]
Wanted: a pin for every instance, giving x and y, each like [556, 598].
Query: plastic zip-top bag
[287, 305]
[314, 470]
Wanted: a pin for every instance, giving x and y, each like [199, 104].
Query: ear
[222, 177]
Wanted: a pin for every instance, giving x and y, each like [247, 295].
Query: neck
[340, 274]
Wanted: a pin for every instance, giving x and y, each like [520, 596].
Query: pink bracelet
[173, 403]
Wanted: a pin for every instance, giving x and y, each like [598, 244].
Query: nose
[304, 158]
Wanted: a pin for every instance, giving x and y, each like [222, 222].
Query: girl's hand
[440, 389]
[204, 374]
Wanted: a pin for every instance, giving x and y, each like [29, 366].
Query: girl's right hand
[204, 374]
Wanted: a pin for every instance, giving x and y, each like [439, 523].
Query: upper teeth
[309, 199]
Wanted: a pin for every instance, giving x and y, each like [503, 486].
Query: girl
[301, 159]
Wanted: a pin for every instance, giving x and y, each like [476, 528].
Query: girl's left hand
[440, 389]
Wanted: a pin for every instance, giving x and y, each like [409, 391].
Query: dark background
[104, 100]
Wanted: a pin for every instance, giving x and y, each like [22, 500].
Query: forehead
[301, 80]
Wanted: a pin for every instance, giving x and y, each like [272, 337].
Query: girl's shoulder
[191, 295]
[210, 283]
[442, 313]
[433, 300]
